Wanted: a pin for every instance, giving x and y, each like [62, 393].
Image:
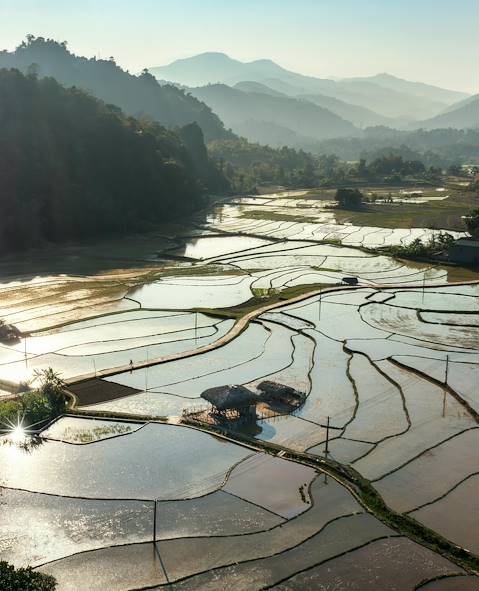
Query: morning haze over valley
[239, 295]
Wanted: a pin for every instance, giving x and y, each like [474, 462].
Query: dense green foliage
[38, 405]
[24, 579]
[247, 165]
[137, 95]
[391, 166]
[417, 248]
[73, 167]
[349, 198]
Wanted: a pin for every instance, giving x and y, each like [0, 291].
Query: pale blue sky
[434, 41]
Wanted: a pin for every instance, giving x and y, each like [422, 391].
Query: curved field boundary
[237, 329]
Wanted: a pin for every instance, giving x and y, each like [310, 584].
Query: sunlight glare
[18, 434]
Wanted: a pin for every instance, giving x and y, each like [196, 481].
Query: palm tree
[52, 387]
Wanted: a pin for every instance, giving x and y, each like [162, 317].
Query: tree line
[247, 165]
[73, 167]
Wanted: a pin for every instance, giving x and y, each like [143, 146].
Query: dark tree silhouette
[73, 167]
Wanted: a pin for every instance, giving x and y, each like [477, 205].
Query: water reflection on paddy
[159, 460]
[213, 246]
[176, 293]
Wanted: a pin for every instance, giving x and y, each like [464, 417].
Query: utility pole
[196, 328]
[146, 368]
[94, 365]
[326, 449]
[319, 310]
[445, 385]
[154, 522]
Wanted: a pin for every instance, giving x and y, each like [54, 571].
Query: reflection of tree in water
[27, 445]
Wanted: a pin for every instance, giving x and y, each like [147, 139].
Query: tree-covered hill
[72, 166]
[248, 166]
[136, 95]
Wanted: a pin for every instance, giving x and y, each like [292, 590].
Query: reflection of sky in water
[205, 248]
[162, 461]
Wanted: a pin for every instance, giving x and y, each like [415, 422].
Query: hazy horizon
[421, 41]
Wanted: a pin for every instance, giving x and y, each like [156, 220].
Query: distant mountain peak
[387, 95]
[386, 75]
[264, 62]
[207, 56]
[213, 55]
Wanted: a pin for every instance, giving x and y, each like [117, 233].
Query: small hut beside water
[232, 402]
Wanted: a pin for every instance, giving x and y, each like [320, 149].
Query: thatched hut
[232, 402]
[275, 392]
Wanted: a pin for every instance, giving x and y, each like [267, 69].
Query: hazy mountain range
[462, 115]
[267, 103]
[259, 100]
[384, 94]
[276, 120]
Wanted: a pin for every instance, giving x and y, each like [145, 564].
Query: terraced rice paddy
[392, 365]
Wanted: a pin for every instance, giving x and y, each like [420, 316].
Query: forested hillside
[73, 167]
[136, 95]
[247, 165]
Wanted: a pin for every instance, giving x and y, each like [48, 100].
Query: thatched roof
[275, 391]
[224, 397]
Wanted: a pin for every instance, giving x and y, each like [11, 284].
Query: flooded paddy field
[388, 369]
